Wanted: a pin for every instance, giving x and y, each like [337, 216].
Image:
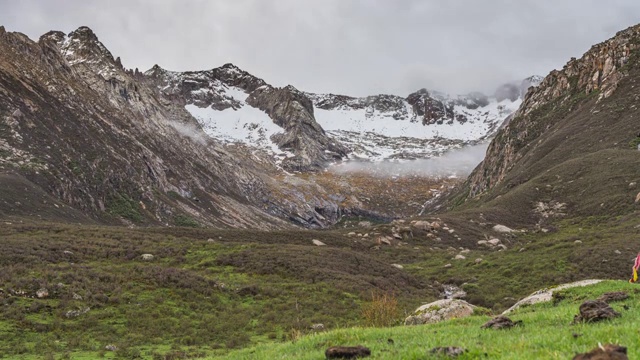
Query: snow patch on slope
[376, 135]
[482, 120]
[243, 124]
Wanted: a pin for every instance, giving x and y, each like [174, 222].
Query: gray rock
[450, 351]
[42, 293]
[422, 225]
[502, 229]
[318, 242]
[75, 313]
[440, 310]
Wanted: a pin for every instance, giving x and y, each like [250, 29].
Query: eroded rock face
[229, 87]
[440, 310]
[599, 69]
[293, 111]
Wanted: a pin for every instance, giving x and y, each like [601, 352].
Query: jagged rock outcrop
[204, 88]
[293, 111]
[598, 71]
[228, 89]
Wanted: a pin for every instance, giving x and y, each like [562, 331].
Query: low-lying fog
[459, 163]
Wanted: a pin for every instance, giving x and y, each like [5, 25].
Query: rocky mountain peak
[84, 33]
[597, 73]
[83, 46]
[599, 69]
[55, 36]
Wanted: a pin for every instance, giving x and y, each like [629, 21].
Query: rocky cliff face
[597, 73]
[78, 125]
[303, 136]
[223, 97]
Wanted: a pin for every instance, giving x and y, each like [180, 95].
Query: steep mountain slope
[82, 128]
[208, 147]
[234, 105]
[570, 149]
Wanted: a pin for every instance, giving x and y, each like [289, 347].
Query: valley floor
[69, 291]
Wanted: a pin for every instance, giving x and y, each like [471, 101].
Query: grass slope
[205, 291]
[547, 333]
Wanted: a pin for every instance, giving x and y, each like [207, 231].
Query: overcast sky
[355, 47]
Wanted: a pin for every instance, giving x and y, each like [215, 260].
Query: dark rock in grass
[595, 310]
[448, 351]
[607, 352]
[501, 322]
[347, 352]
[613, 296]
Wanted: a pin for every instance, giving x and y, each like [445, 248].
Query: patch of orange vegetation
[401, 196]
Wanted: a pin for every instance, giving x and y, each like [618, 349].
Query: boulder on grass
[440, 310]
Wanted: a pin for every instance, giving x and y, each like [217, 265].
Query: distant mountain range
[95, 141]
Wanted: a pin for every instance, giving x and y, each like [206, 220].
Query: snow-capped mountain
[234, 106]
[423, 124]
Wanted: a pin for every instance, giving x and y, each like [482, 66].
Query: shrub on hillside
[381, 311]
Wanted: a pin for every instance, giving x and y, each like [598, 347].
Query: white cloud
[459, 163]
[358, 47]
